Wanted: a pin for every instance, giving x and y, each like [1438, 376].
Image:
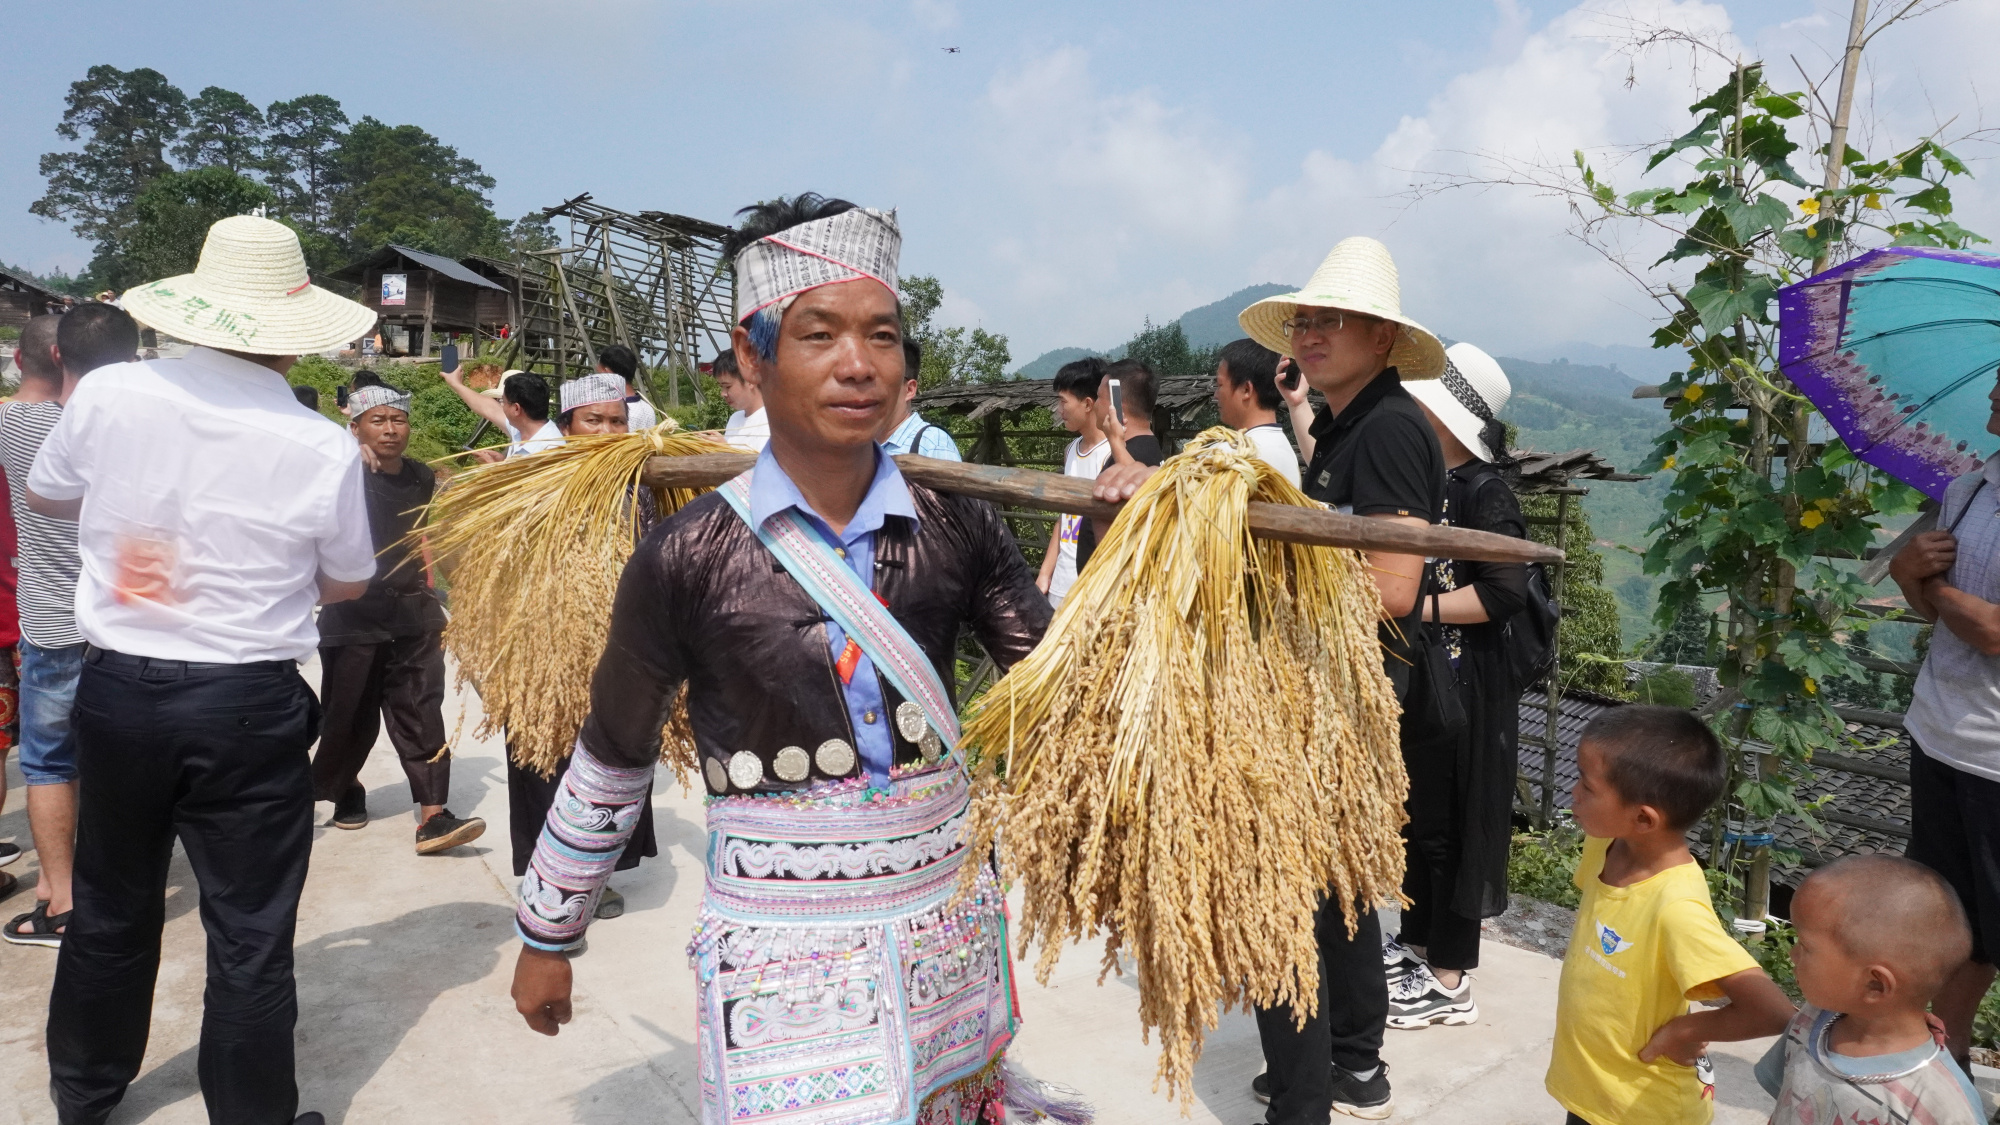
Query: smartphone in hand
[448, 358]
[1117, 400]
[1288, 373]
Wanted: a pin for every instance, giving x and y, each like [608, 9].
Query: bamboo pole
[1030, 488]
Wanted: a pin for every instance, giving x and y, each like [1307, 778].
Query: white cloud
[1120, 203]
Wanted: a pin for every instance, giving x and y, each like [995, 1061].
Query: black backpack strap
[1968, 503]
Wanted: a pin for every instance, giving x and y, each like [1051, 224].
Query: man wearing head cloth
[381, 655]
[811, 608]
[593, 404]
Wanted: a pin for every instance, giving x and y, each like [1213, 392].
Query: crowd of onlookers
[160, 601]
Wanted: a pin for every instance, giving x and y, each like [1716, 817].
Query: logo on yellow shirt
[1609, 941]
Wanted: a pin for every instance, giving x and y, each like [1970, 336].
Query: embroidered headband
[363, 399]
[594, 388]
[846, 247]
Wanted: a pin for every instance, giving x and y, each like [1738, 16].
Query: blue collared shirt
[771, 492]
[920, 437]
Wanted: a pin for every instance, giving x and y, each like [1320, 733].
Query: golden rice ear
[1201, 749]
[543, 538]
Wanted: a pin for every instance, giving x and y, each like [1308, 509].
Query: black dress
[1462, 790]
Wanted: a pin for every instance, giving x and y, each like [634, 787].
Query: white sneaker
[1398, 959]
[1418, 1000]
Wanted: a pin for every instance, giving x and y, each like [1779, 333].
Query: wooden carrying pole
[1029, 488]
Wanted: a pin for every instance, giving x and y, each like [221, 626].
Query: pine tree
[226, 131]
[126, 119]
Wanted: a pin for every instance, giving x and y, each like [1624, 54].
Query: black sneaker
[1260, 1088]
[351, 810]
[1366, 1098]
[9, 853]
[1418, 1000]
[444, 830]
[313, 1117]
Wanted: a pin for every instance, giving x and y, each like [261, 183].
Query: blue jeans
[48, 694]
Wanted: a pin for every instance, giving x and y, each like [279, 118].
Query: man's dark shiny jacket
[702, 601]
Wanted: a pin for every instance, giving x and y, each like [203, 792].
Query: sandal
[44, 929]
[610, 904]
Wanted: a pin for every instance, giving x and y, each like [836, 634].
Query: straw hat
[1470, 393]
[1358, 276]
[250, 293]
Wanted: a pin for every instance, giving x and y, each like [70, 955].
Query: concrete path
[404, 964]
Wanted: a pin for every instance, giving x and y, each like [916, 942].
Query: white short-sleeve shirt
[1276, 450]
[211, 501]
[748, 431]
[1085, 464]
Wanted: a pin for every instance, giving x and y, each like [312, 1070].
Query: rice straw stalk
[1203, 746]
[534, 547]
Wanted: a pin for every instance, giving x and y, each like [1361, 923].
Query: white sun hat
[1358, 276]
[250, 293]
[1471, 392]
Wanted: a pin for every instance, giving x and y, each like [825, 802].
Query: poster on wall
[395, 288]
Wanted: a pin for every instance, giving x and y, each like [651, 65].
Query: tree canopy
[347, 188]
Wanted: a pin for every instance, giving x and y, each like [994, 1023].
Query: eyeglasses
[1330, 321]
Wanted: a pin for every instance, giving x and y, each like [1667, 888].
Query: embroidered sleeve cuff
[593, 816]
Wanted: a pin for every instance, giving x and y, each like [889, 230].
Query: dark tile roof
[388, 254]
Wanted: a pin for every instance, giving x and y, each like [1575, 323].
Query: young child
[1627, 1049]
[1878, 935]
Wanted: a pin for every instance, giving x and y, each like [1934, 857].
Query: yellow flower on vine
[1812, 231]
[1667, 464]
[1811, 519]
[1812, 686]
[1825, 503]
[1809, 206]
[1692, 393]
[1873, 202]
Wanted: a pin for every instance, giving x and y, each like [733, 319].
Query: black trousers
[530, 796]
[1347, 1029]
[216, 756]
[1433, 848]
[1955, 831]
[400, 680]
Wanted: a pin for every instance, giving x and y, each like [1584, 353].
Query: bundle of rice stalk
[1202, 747]
[534, 547]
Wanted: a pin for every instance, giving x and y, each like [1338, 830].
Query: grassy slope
[1559, 407]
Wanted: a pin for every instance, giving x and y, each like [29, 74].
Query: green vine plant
[1755, 508]
[1746, 516]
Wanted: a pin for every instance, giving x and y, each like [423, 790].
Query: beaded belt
[841, 851]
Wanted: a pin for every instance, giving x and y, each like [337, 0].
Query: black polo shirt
[1379, 456]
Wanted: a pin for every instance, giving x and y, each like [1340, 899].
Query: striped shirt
[48, 556]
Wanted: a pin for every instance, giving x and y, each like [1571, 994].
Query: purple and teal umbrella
[1898, 349]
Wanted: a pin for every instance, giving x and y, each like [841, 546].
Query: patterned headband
[848, 246]
[1454, 381]
[363, 399]
[585, 390]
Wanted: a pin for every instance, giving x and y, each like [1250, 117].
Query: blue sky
[1074, 168]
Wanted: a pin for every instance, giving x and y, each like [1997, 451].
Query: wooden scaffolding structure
[653, 281]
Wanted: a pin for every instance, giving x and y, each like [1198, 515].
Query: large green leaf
[1720, 305]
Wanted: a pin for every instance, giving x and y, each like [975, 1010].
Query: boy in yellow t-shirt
[1647, 940]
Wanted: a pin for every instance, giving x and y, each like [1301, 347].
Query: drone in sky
[949, 50]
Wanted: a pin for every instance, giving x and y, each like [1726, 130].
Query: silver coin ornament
[718, 778]
[835, 757]
[910, 721]
[745, 769]
[792, 764]
[930, 746]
